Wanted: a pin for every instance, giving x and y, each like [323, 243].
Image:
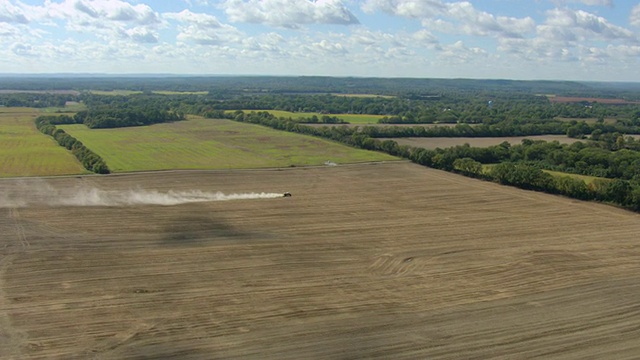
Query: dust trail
[91, 196]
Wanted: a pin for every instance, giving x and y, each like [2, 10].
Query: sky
[592, 40]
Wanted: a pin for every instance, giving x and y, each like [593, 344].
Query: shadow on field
[193, 231]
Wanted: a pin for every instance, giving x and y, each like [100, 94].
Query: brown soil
[567, 99]
[389, 261]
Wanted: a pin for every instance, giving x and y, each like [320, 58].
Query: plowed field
[387, 260]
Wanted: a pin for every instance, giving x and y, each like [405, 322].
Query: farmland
[350, 118]
[441, 142]
[388, 260]
[26, 152]
[572, 99]
[211, 144]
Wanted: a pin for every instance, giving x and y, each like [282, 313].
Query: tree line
[35, 100]
[90, 160]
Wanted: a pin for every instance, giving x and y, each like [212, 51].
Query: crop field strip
[364, 261]
[445, 142]
[211, 144]
[27, 152]
[360, 119]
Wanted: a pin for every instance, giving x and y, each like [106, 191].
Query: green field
[163, 92]
[350, 118]
[212, 144]
[27, 152]
[133, 92]
[115, 92]
[586, 178]
[364, 95]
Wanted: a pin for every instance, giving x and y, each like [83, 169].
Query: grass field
[433, 142]
[586, 178]
[27, 152]
[350, 118]
[115, 92]
[212, 144]
[364, 95]
[370, 261]
[133, 92]
[164, 92]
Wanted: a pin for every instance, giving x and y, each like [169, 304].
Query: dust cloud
[45, 195]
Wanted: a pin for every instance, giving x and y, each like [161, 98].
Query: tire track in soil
[11, 341]
[22, 241]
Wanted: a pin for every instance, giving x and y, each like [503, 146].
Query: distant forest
[233, 85]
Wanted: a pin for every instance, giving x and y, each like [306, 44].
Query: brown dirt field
[568, 99]
[384, 125]
[387, 260]
[442, 142]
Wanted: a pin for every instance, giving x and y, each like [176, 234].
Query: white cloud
[203, 20]
[578, 25]
[10, 13]
[608, 3]
[106, 19]
[481, 23]
[634, 18]
[142, 35]
[460, 53]
[459, 17]
[424, 38]
[203, 29]
[23, 50]
[289, 13]
[330, 48]
[407, 8]
[7, 30]
[91, 11]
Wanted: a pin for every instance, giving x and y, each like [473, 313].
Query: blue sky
[506, 39]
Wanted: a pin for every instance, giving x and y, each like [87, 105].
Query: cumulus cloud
[89, 11]
[407, 8]
[10, 13]
[22, 49]
[106, 19]
[203, 29]
[142, 35]
[425, 38]
[577, 25]
[455, 17]
[7, 30]
[329, 47]
[289, 13]
[203, 20]
[460, 53]
[608, 3]
[634, 18]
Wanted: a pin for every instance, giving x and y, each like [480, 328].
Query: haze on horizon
[587, 40]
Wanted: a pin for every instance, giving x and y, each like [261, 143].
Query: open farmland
[444, 142]
[387, 125]
[608, 101]
[350, 118]
[211, 144]
[24, 151]
[389, 261]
